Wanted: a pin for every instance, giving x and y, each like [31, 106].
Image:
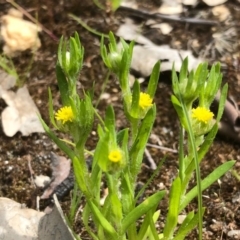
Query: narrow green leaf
[102, 220]
[116, 206]
[186, 221]
[153, 82]
[84, 25]
[59, 143]
[206, 182]
[50, 109]
[127, 192]
[110, 122]
[63, 85]
[60, 51]
[190, 83]
[172, 216]
[137, 150]
[80, 175]
[145, 231]
[135, 99]
[153, 175]
[85, 217]
[153, 234]
[222, 101]
[183, 70]
[112, 40]
[101, 152]
[121, 135]
[178, 107]
[175, 82]
[188, 225]
[141, 209]
[201, 153]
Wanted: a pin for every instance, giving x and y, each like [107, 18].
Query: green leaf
[222, 101]
[112, 40]
[63, 85]
[124, 145]
[145, 230]
[201, 153]
[207, 142]
[153, 175]
[103, 51]
[206, 182]
[102, 220]
[116, 206]
[178, 107]
[121, 135]
[174, 202]
[59, 143]
[183, 71]
[175, 82]
[110, 122]
[189, 223]
[153, 234]
[127, 192]
[101, 152]
[153, 82]
[142, 209]
[186, 222]
[50, 109]
[135, 100]
[190, 82]
[115, 4]
[213, 83]
[80, 175]
[85, 217]
[137, 150]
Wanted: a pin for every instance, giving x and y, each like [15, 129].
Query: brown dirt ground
[15, 182]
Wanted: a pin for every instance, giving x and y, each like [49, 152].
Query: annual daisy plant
[118, 154]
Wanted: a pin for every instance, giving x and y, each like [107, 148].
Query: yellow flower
[64, 114]
[202, 114]
[145, 100]
[115, 155]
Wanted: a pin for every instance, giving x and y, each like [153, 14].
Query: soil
[222, 199]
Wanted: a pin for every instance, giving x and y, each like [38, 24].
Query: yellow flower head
[115, 155]
[64, 114]
[202, 114]
[145, 100]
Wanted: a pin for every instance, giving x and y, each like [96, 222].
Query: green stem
[198, 176]
[99, 117]
[134, 129]
[181, 155]
[83, 24]
[132, 232]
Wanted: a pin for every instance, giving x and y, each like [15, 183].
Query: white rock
[11, 121]
[54, 225]
[6, 81]
[190, 2]
[145, 57]
[214, 2]
[17, 222]
[222, 12]
[21, 113]
[234, 234]
[41, 181]
[181, 218]
[18, 34]
[170, 7]
[164, 27]
[130, 31]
